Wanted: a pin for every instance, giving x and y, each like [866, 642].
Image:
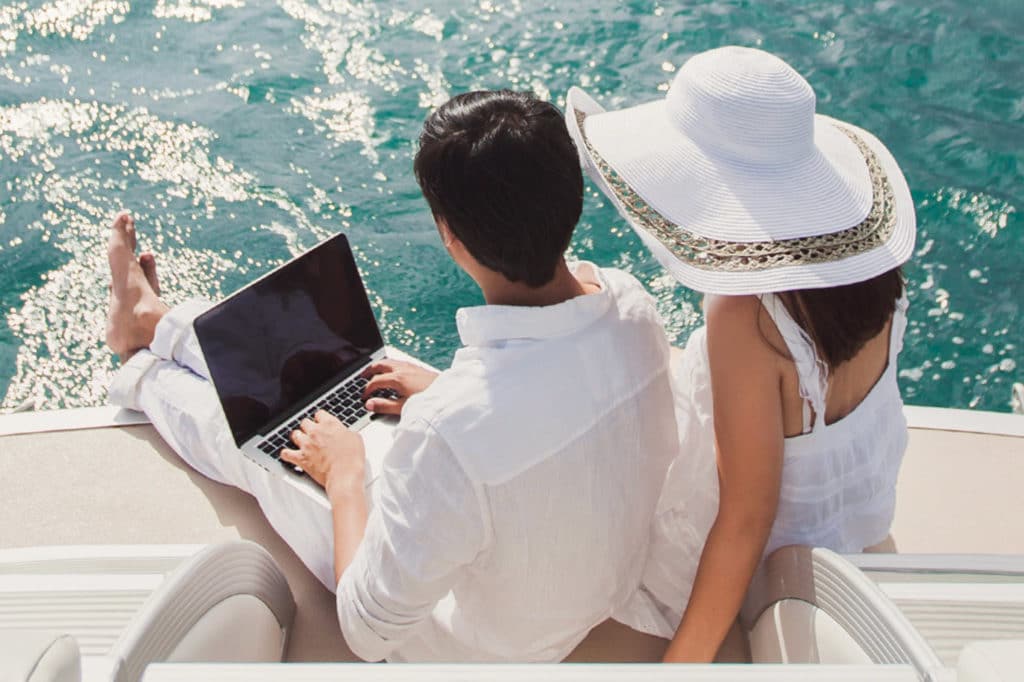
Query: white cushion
[794, 631]
[38, 656]
[995, 661]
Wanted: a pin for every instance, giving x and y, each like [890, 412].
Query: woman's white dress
[838, 480]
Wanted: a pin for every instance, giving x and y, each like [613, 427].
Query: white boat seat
[953, 600]
[795, 631]
[1000, 661]
[813, 606]
[38, 656]
[129, 605]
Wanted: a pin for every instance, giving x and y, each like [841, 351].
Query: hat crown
[745, 105]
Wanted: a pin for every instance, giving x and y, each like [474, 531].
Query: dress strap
[811, 370]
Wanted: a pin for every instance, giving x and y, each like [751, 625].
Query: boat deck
[99, 476]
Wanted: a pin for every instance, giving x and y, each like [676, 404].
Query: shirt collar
[489, 325]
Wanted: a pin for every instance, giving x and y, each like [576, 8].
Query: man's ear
[448, 237]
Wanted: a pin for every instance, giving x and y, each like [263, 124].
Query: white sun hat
[738, 187]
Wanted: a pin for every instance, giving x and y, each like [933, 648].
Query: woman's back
[838, 478]
[848, 385]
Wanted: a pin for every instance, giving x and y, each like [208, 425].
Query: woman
[794, 226]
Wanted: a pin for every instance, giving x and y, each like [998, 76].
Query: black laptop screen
[276, 344]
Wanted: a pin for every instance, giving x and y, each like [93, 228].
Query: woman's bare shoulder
[737, 314]
[740, 325]
[731, 306]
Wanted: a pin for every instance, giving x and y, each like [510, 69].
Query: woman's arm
[745, 383]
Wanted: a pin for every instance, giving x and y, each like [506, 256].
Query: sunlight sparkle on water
[241, 133]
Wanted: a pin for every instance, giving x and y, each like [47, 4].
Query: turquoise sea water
[241, 132]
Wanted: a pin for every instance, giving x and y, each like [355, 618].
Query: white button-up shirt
[512, 513]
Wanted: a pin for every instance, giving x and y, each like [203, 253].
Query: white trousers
[169, 381]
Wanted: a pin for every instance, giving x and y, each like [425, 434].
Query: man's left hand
[330, 453]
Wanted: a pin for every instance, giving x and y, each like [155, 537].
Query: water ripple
[241, 133]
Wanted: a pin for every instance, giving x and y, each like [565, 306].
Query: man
[512, 513]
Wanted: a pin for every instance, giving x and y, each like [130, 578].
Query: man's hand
[404, 378]
[332, 455]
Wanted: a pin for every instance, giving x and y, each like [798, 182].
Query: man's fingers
[380, 383]
[299, 437]
[384, 406]
[289, 455]
[305, 424]
[324, 417]
[379, 367]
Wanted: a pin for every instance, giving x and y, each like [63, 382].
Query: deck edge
[75, 419]
[70, 419]
[968, 421]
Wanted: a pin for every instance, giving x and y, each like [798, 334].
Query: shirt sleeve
[427, 522]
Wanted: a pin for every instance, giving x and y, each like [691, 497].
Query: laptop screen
[275, 345]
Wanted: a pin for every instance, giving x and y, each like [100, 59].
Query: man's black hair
[499, 168]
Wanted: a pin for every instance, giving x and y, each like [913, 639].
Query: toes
[123, 231]
[130, 231]
[121, 220]
[147, 262]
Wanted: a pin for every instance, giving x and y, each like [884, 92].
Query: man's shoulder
[621, 282]
[631, 297]
[619, 278]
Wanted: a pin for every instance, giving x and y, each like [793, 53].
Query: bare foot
[134, 306]
[147, 262]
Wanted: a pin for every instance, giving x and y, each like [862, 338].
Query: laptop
[293, 342]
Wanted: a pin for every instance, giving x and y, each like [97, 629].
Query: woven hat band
[707, 253]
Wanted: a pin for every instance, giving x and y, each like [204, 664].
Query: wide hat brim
[711, 198]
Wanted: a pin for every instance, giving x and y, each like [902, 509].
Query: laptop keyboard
[345, 402]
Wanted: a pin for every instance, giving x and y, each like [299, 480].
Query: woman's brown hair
[840, 320]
